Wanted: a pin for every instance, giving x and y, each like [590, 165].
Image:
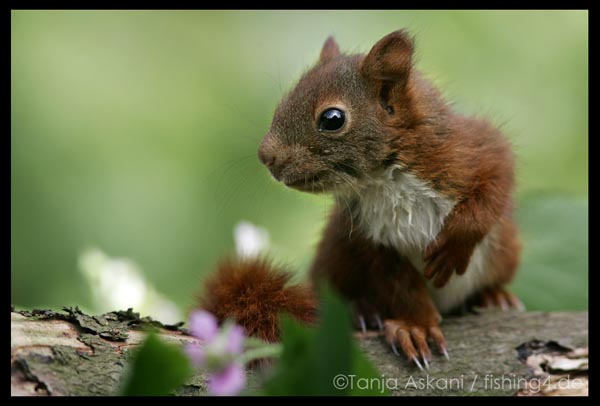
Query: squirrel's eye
[331, 120]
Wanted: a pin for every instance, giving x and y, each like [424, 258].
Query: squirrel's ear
[330, 50]
[390, 58]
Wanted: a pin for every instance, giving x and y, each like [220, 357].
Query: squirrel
[422, 223]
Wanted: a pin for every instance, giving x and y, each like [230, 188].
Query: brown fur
[371, 275]
[397, 117]
[394, 116]
[255, 293]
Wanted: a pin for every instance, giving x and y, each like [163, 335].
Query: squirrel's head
[339, 123]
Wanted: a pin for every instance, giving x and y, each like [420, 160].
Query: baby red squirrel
[423, 220]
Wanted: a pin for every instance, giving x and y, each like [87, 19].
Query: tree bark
[491, 353]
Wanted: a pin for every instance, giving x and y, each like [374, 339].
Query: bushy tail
[254, 293]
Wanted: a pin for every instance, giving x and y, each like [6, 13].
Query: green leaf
[265, 351]
[158, 368]
[365, 370]
[314, 358]
[554, 268]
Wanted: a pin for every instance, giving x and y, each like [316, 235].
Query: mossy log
[491, 353]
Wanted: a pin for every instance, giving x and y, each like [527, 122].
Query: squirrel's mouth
[305, 182]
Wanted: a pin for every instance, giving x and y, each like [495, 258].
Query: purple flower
[203, 325]
[196, 354]
[235, 339]
[230, 381]
[219, 354]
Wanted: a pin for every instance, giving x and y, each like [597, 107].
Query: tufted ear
[390, 59]
[330, 50]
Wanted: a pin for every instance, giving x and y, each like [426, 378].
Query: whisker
[235, 188]
[348, 181]
[228, 167]
[343, 198]
[263, 190]
[230, 195]
[351, 214]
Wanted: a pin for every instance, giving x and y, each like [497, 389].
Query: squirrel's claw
[417, 363]
[378, 321]
[413, 341]
[362, 324]
[366, 316]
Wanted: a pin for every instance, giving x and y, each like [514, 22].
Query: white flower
[118, 284]
[250, 240]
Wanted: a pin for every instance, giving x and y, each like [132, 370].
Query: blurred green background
[137, 131]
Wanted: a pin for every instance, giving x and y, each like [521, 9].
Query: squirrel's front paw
[412, 339]
[444, 257]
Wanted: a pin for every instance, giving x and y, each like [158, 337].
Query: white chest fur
[399, 210]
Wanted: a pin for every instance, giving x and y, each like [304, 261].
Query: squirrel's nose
[271, 154]
[268, 158]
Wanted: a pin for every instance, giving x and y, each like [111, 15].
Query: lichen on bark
[71, 353]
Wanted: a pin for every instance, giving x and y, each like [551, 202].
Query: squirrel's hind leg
[496, 297]
[503, 263]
